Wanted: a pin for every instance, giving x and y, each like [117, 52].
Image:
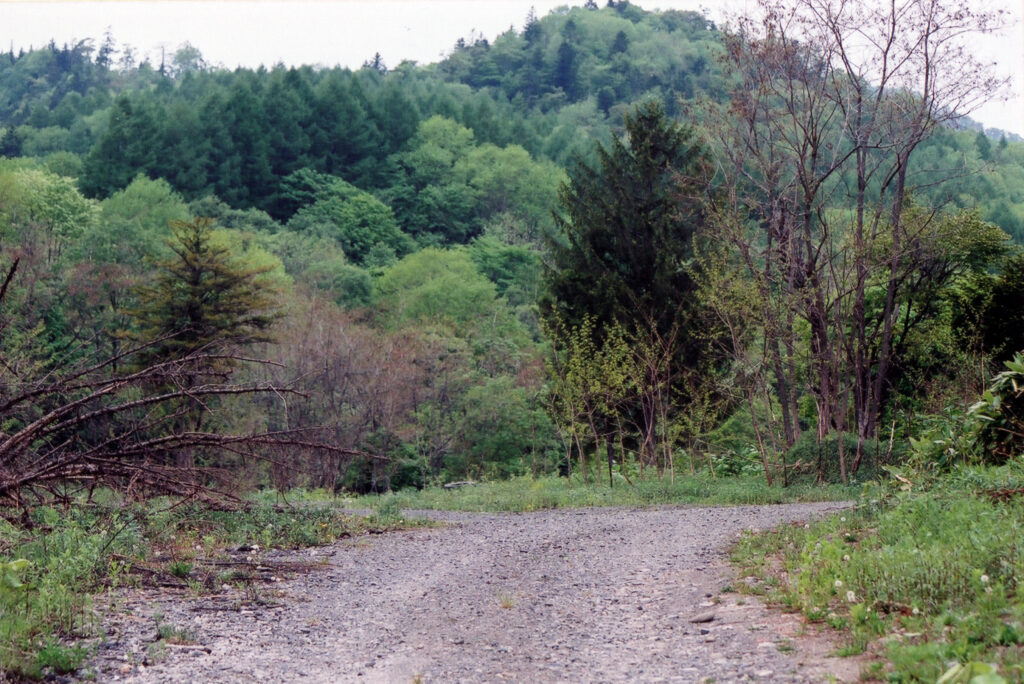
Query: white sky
[348, 32]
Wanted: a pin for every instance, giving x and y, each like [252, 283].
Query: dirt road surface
[593, 595]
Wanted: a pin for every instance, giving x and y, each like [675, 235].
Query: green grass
[921, 579]
[528, 494]
[50, 571]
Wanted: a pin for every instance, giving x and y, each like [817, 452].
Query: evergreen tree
[627, 227]
[123, 151]
[984, 146]
[623, 264]
[531, 29]
[203, 295]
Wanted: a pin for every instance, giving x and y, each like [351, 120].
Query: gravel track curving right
[566, 596]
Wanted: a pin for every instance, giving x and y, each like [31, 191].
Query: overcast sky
[348, 32]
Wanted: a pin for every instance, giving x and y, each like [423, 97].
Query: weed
[56, 657]
[940, 567]
[156, 651]
[387, 510]
[506, 601]
[174, 635]
[181, 569]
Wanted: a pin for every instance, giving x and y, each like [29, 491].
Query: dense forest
[530, 253]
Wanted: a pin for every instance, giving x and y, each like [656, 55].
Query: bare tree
[88, 422]
[832, 99]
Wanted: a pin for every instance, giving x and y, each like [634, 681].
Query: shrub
[998, 418]
[808, 458]
[991, 432]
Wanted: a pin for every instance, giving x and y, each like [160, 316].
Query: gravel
[602, 595]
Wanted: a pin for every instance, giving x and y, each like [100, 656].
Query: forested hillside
[610, 257]
[397, 222]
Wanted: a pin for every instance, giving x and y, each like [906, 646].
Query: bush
[991, 432]
[808, 458]
[999, 417]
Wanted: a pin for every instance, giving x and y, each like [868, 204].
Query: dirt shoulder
[569, 595]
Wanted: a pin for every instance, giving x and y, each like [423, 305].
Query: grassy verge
[925, 581]
[528, 494]
[49, 572]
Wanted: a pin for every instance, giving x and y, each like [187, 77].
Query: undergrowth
[927, 581]
[528, 494]
[50, 570]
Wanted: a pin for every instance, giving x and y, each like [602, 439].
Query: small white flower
[988, 590]
[842, 519]
[839, 583]
[846, 557]
[851, 597]
[916, 611]
[807, 526]
[984, 579]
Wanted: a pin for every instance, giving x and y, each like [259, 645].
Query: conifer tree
[203, 295]
[624, 259]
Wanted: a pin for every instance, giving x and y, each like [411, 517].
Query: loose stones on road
[581, 595]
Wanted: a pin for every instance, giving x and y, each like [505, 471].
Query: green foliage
[358, 221]
[998, 417]
[501, 433]
[623, 265]
[532, 494]
[626, 245]
[940, 567]
[204, 294]
[810, 458]
[352, 286]
[514, 269]
[122, 152]
[10, 577]
[450, 186]
[33, 200]
[988, 314]
[46, 579]
[436, 286]
[971, 673]
[990, 432]
[134, 224]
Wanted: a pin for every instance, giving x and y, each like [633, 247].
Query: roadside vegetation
[533, 494]
[924, 574]
[54, 569]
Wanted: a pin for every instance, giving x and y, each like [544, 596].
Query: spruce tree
[627, 227]
[202, 296]
[623, 261]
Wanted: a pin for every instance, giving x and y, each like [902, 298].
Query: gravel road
[555, 596]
